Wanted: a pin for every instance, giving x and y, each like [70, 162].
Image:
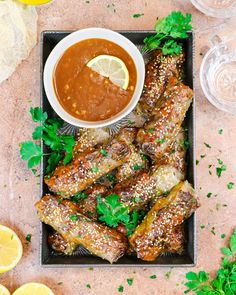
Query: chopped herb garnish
[167, 275]
[88, 286]
[222, 236]
[150, 130]
[203, 156]
[197, 162]
[220, 131]
[153, 277]
[103, 152]
[28, 238]
[207, 145]
[136, 15]
[209, 195]
[230, 185]
[73, 217]
[79, 236]
[202, 226]
[213, 231]
[78, 197]
[130, 122]
[121, 289]
[219, 170]
[130, 281]
[220, 161]
[137, 167]
[94, 169]
[160, 140]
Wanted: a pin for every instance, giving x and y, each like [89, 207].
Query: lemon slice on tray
[33, 289]
[34, 2]
[10, 249]
[111, 67]
[3, 290]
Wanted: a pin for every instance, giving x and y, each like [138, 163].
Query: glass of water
[216, 8]
[218, 74]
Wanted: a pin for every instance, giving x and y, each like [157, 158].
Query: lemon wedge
[33, 289]
[111, 67]
[10, 249]
[34, 2]
[3, 290]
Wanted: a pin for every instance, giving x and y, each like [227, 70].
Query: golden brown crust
[74, 227]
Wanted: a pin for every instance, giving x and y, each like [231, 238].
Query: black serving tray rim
[43, 263]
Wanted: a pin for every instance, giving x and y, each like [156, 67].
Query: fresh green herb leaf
[31, 152]
[34, 171]
[38, 115]
[130, 122]
[160, 140]
[136, 15]
[73, 217]
[153, 277]
[137, 166]
[197, 162]
[222, 236]
[53, 161]
[230, 185]
[94, 169]
[78, 197]
[133, 221]
[103, 152]
[121, 289]
[150, 130]
[175, 25]
[202, 226]
[28, 238]
[219, 170]
[207, 145]
[209, 195]
[38, 133]
[220, 131]
[130, 281]
[88, 286]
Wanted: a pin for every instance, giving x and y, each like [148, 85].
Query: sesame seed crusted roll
[89, 166]
[154, 234]
[80, 230]
[160, 132]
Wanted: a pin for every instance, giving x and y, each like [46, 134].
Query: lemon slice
[111, 67]
[33, 289]
[10, 249]
[34, 2]
[3, 290]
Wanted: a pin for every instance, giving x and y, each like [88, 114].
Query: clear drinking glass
[216, 8]
[218, 74]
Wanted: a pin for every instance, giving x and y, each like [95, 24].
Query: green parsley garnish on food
[121, 289]
[230, 185]
[175, 25]
[103, 152]
[197, 162]
[112, 212]
[137, 166]
[130, 281]
[78, 197]
[160, 140]
[28, 238]
[94, 169]
[153, 277]
[207, 145]
[137, 15]
[225, 281]
[60, 146]
[220, 169]
[73, 217]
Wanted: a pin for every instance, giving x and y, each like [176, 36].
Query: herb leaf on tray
[113, 212]
[175, 25]
[225, 281]
[60, 145]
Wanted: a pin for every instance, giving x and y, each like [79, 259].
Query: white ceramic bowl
[84, 34]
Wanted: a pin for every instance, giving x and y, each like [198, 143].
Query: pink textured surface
[19, 188]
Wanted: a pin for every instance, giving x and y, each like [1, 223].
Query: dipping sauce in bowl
[83, 92]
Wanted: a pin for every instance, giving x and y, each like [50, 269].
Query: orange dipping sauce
[84, 93]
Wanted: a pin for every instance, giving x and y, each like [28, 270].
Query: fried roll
[74, 227]
[161, 131]
[154, 234]
[87, 168]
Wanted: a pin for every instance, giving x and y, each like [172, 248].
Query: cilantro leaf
[78, 197]
[31, 152]
[175, 25]
[53, 161]
[130, 281]
[136, 15]
[230, 185]
[121, 289]
[38, 133]
[38, 115]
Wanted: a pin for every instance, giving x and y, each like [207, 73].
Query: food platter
[82, 258]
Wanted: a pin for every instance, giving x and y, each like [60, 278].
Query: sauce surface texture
[84, 93]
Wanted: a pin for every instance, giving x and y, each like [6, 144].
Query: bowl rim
[75, 37]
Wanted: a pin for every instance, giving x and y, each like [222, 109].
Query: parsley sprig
[113, 212]
[59, 145]
[175, 25]
[225, 281]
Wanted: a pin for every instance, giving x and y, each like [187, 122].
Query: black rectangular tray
[49, 39]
